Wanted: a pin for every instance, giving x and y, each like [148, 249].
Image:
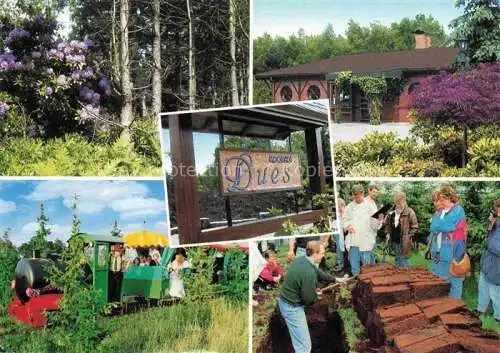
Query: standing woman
[177, 269]
[451, 229]
[489, 279]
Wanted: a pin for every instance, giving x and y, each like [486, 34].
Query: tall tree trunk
[126, 85]
[156, 80]
[191, 61]
[232, 48]
[115, 53]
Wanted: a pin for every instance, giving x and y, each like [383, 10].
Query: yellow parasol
[145, 238]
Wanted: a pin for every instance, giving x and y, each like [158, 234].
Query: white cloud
[135, 207]
[7, 206]
[58, 231]
[128, 198]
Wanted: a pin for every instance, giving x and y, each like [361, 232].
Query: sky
[285, 17]
[204, 150]
[100, 203]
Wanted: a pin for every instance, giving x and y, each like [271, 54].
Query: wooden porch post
[315, 160]
[185, 180]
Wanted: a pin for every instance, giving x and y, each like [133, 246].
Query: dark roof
[275, 121]
[431, 59]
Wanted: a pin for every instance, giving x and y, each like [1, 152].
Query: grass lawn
[218, 326]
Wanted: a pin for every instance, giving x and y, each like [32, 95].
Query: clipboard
[383, 210]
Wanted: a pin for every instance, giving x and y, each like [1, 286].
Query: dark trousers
[115, 286]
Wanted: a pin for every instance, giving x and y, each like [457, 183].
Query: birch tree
[156, 77]
[126, 115]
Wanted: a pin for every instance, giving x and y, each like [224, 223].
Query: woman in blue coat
[489, 279]
[449, 226]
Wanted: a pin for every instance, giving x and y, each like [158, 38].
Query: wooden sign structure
[248, 172]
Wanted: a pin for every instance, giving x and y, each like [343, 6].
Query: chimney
[422, 40]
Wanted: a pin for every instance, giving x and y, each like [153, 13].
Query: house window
[286, 94]
[412, 87]
[313, 92]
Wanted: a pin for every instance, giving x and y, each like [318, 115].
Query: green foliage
[384, 154]
[273, 211]
[8, 258]
[76, 325]
[374, 87]
[235, 280]
[353, 328]
[39, 241]
[116, 231]
[72, 156]
[144, 135]
[480, 26]
[484, 155]
[289, 227]
[198, 285]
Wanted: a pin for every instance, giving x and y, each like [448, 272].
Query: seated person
[271, 274]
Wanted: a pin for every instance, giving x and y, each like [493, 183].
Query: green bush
[72, 156]
[146, 142]
[367, 169]
[377, 147]
[345, 156]
[484, 156]
[415, 168]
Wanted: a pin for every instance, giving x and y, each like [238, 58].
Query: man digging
[299, 290]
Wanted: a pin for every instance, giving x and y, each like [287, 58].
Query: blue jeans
[296, 322]
[356, 257]
[400, 262]
[340, 251]
[488, 291]
[442, 270]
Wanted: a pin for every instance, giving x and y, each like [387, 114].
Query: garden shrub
[377, 147]
[146, 142]
[448, 147]
[415, 168]
[484, 155]
[345, 156]
[367, 169]
[71, 155]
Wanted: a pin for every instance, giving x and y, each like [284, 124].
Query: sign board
[245, 172]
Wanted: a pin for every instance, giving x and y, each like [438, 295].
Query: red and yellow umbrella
[145, 239]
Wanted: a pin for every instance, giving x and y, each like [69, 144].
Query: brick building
[316, 80]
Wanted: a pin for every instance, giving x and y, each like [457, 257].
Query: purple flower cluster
[8, 62]
[48, 91]
[16, 33]
[73, 52]
[89, 95]
[89, 112]
[4, 108]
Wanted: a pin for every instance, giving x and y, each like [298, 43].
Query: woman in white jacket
[362, 229]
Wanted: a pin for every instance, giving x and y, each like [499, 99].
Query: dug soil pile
[325, 327]
[409, 311]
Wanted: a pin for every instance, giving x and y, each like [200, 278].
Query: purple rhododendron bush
[56, 92]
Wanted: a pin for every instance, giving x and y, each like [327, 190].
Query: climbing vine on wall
[374, 88]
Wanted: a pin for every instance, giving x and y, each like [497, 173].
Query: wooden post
[185, 179]
[315, 160]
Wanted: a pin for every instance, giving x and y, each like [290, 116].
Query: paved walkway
[351, 132]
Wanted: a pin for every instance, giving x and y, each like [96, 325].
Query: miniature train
[139, 282]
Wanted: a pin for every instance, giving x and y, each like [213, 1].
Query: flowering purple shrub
[469, 98]
[58, 83]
